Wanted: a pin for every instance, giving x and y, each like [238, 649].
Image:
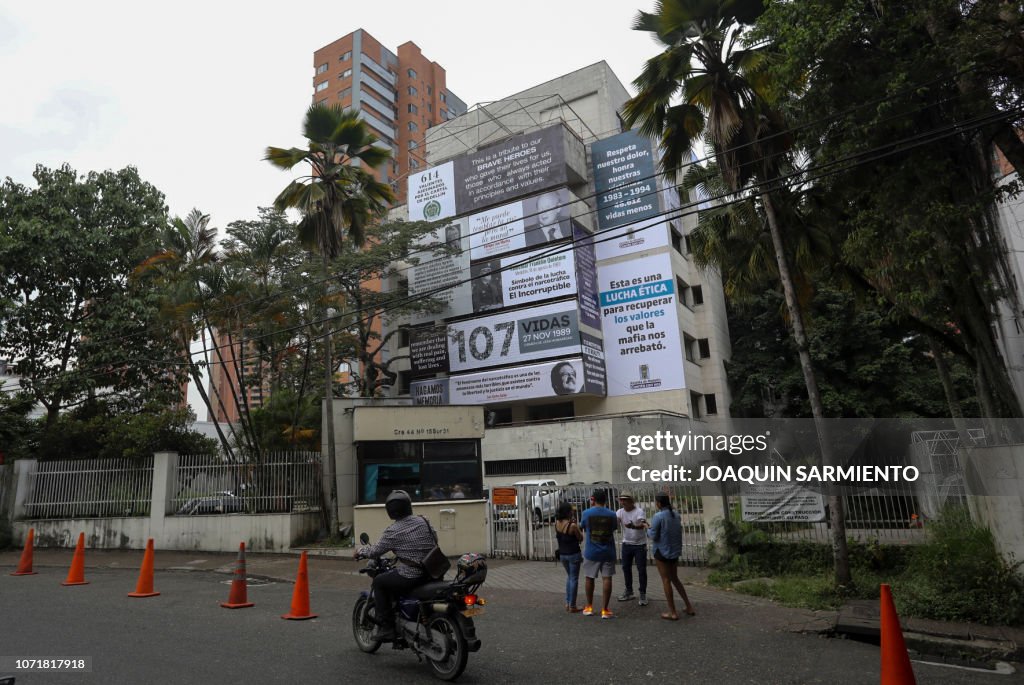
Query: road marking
[1002, 668]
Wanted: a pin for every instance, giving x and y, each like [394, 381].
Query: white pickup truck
[544, 502]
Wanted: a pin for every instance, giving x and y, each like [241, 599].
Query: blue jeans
[572, 564]
[634, 554]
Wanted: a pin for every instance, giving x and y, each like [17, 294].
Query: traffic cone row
[237, 598]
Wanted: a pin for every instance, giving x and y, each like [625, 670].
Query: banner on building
[624, 178]
[428, 350]
[643, 350]
[429, 392]
[513, 337]
[586, 277]
[444, 277]
[593, 365]
[431, 193]
[529, 222]
[519, 165]
[561, 377]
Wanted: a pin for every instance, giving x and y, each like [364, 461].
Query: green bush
[959, 575]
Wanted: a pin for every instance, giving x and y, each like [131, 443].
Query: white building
[570, 342]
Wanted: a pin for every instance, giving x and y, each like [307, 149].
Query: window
[403, 336]
[322, 102]
[710, 404]
[413, 126]
[322, 68]
[698, 295]
[550, 412]
[684, 292]
[403, 382]
[344, 93]
[688, 348]
[345, 57]
[688, 245]
[321, 86]
[412, 90]
[413, 145]
[695, 404]
[413, 164]
[430, 108]
[704, 348]
[677, 241]
[497, 417]
[413, 109]
[444, 97]
[426, 470]
[345, 74]
[430, 90]
[524, 467]
[411, 73]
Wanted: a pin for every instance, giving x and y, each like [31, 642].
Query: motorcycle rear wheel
[458, 653]
[363, 630]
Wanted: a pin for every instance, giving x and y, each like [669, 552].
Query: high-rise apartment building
[399, 96]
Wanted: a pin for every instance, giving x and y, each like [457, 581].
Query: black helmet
[398, 505]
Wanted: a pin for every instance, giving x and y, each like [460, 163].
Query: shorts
[595, 569]
[659, 557]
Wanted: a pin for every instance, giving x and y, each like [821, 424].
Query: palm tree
[337, 199]
[725, 97]
[182, 264]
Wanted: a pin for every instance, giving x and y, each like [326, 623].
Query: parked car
[223, 502]
[543, 503]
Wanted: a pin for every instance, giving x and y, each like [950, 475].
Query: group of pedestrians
[597, 558]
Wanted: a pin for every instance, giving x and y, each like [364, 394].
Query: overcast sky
[191, 93]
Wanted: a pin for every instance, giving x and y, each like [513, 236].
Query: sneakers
[643, 599]
[605, 614]
[625, 596]
[588, 610]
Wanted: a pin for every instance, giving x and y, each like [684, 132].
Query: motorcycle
[435, 620]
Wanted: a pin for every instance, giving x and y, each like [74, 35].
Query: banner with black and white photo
[561, 377]
[537, 276]
[529, 222]
[512, 337]
[642, 346]
[443, 276]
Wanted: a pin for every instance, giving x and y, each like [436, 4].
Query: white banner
[643, 351]
[512, 337]
[622, 240]
[496, 231]
[441, 274]
[549, 379]
[537, 276]
[780, 502]
[431, 193]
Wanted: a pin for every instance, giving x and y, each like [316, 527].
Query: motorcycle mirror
[364, 538]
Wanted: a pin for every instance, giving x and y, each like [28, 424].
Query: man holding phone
[634, 547]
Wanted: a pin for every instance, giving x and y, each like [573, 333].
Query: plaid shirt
[410, 539]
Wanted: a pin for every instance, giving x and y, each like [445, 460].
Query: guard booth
[433, 453]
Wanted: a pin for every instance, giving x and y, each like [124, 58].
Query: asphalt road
[184, 636]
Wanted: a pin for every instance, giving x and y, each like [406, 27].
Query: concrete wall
[994, 479]
[215, 533]
[461, 525]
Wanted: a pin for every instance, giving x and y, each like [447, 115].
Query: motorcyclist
[410, 538]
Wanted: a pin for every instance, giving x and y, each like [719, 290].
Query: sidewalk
[336, 565]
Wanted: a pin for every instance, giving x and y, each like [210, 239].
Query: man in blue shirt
[598, 524]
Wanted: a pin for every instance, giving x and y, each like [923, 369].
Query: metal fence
[281, 482]
[89, 488]
[529, 532]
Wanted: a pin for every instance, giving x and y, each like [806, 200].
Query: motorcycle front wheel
[454, 664]
[363, 627]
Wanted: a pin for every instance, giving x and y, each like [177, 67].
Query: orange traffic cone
[300, 595]
[237, 598]
[76, 575]
[896, 669]
[25, 565]
[144, 588]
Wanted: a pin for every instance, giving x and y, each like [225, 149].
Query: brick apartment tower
[398, 96]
